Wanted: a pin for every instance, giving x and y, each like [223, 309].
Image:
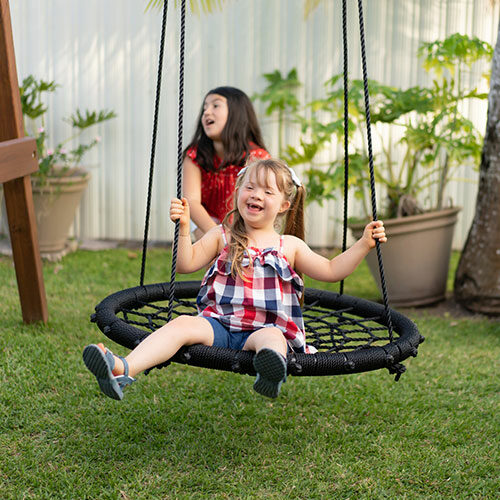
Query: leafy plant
[281, 98]
[424, 137]
[56, 160]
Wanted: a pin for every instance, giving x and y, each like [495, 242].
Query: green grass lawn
[186, 432]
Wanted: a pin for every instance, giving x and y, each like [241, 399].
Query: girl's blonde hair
[293, 218]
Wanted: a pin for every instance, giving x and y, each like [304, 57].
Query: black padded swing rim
[219, 358]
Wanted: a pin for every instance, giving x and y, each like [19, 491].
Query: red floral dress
[217, 187]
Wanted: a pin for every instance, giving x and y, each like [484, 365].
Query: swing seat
[350, 333]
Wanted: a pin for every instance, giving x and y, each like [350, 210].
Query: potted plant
[422, 139]
[61, 179]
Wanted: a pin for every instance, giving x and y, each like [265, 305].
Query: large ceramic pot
[416, 257]
[56, 201]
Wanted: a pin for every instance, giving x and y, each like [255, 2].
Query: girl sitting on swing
[250, 296]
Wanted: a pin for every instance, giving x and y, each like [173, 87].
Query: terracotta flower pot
[416, 257]
[56, 201]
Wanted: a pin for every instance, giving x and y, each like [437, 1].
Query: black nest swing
[351, 334]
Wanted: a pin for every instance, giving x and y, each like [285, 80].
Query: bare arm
[192, 191]
[192, 257]
[341, 266]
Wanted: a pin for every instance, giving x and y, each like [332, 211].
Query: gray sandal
[101, 364]
[271, 372]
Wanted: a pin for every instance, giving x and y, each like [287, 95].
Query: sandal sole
[95, 360]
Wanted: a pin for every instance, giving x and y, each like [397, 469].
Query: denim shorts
[224, 338]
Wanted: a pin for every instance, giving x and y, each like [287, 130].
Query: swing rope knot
[398, 369]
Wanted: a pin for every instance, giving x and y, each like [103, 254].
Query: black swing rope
[180, 114]
[346, 132]
[370, 151]
[346, 330]
[153, 140]
[370, 164]
[179, 157]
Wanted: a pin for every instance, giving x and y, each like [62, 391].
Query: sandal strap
[124, 380]
[125, 366]
[110, 357]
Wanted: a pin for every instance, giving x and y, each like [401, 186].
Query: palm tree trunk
[477, 280]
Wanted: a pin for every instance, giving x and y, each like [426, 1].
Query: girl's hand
[179, 211]
[374, 231]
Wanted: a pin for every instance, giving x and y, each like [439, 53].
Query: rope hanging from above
[351, 334]
[154, 140]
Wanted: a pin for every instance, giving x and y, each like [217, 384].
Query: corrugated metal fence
[104, 55]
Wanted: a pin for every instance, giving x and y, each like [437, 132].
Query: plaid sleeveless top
[269, 297]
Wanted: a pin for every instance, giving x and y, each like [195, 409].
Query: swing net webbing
[327, 330]
[350, 333]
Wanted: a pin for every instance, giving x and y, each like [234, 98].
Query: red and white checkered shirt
[270, 295]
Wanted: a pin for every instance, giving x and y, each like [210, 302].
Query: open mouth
[209, 122]
[254, 208]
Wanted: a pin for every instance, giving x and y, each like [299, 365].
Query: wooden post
[17, 161]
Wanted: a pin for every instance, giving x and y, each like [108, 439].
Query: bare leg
[162, 344]
[269, 361]
[270, 337]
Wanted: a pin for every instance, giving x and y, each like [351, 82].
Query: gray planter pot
[416, 257]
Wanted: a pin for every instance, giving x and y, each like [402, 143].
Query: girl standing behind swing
[250, 297]
[227, 134]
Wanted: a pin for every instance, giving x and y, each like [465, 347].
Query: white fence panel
[104, 55]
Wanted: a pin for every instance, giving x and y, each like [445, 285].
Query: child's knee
[275, 332]
[276, 336]
[266, 337]
[183, 319]
[193, 329]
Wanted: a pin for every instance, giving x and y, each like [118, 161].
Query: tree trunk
[477, 280]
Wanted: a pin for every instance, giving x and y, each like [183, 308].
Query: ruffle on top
[268, 256]
[270, 296]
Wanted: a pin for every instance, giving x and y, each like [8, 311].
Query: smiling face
[214, 117]
[259, 199]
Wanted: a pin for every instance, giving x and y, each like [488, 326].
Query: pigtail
[294, 222]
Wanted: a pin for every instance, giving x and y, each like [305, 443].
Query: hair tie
[295, 177]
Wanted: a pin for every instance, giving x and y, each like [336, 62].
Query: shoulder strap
[224, 237]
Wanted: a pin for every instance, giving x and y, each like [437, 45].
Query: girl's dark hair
[241, 129]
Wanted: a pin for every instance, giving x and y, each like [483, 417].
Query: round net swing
[350, 334]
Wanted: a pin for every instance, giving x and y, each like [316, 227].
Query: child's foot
[101, 362]
[271, 372]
